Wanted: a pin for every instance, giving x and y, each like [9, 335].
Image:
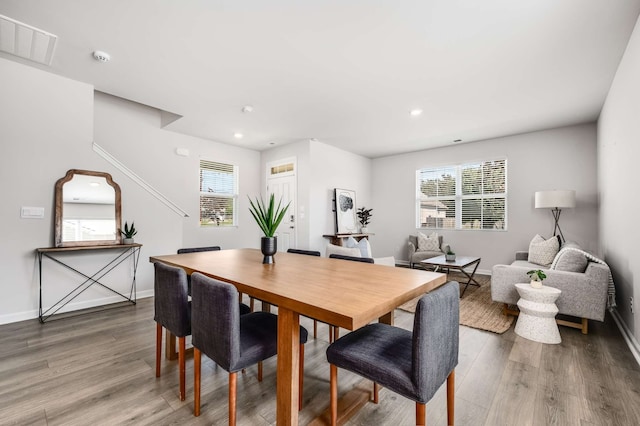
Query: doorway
[281, 181]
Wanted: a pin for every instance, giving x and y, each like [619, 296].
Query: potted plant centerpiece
[537, 276]
[268, 218]
[364, 217]
[128, 233]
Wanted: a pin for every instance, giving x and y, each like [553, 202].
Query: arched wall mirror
[87, 209]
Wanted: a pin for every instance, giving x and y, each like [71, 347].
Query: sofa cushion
[344, 251]
[570, 261]
[422, 255]
[525, 264]
[387, 261]
[362, 245]
[428, 242]
[541, 251]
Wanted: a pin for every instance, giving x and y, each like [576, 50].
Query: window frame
[232, 194]
[458, 198]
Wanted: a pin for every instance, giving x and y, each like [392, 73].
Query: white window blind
[218, 193]
[466, 196]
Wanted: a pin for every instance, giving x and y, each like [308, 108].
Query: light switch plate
[32, 212]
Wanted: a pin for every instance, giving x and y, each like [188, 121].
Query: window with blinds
[218, 193]
[466, 196]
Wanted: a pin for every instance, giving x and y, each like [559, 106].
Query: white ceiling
[344, 72]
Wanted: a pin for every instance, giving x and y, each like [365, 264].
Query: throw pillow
[362, 245]
[541, 251]
[571, 261]
[429, 242]
[345, 251]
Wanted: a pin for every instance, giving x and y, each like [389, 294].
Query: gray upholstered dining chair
[315, 321]
[334, 333]
[414, 365]
[244, 309]
[352, 258]
[231, 340]
[173, 312]
[198, 249]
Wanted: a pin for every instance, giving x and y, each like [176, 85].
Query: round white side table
[537, 319]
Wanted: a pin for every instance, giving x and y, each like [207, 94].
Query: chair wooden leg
[196, 381]
[451, 383]
[330, 334]
[585, 326]
[251, 303]
[375, 393]
[233, 385]
[181, 364]
[301, 378]
[336, 333]
[421, 414]
[315, 329]
[158, 347]
[333, 386]
[260, 371]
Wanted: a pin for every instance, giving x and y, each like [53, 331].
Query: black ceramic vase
[269, 247]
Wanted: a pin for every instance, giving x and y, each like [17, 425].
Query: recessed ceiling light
[415, 112]
[247, 108]
[238, 135]
[101, 56]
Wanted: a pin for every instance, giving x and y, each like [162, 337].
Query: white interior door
[285, 187]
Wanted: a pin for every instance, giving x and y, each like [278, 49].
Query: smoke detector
[101, 56]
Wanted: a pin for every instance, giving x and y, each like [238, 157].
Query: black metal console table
[123, 252]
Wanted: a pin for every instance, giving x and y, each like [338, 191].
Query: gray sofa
[416, 256]
[584, 294]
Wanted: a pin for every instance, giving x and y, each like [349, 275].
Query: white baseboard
[626, 333]
[28, 315]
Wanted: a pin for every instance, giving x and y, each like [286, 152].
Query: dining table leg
[287, 380]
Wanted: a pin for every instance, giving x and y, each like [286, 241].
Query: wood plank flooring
[98, 369]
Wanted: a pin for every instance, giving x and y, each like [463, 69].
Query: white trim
[32, 314]
[137, 179]
[626, 334]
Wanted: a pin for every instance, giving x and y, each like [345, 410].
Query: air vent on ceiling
[26, 41]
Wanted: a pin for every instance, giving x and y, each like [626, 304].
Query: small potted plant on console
[128, 233]
[364, 217]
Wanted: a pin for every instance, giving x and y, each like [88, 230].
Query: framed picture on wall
[346, 222]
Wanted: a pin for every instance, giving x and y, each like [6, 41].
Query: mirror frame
[58, 210]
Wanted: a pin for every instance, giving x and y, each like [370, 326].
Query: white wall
[335, 168]
[618, 153]
[563, 158]
[47, 126]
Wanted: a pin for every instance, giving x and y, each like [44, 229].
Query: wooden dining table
[338, 292]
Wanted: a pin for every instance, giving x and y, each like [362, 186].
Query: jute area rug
[477, 310]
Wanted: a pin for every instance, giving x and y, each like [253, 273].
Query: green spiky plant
[129, 232]
[268, 217]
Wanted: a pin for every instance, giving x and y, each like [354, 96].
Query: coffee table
[459, 265]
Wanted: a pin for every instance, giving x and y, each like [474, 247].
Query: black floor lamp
[556, 200]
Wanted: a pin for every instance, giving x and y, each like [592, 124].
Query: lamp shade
[562, 199]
